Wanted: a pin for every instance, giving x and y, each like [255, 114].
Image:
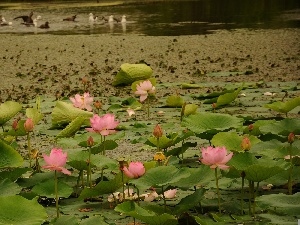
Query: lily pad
[9, 157]
[132, 72]
[211, 122]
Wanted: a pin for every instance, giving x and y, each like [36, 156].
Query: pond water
[155, 18]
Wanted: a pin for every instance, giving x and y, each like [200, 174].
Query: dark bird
[72, 18]
[45, 25]
[26, 19]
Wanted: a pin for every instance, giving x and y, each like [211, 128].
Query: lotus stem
[290, 180]
[218, 191]
[56, 193]
[254, 195]
[148, 108]
[89, 176]
[164, 198]
[29, 148]
[242, 193]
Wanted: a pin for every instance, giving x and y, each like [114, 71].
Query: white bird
[92, 18]
[111, 19]
[4, 22]
[123, 20]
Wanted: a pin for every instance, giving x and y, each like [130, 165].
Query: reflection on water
[159, 17]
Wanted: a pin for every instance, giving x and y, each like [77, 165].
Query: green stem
[218, 191]
[138, 195]
[290, 181]
[89, 177]
[103, 145]
[56, 193]
[29, 148]
[148, 108]
[164, 198]
[251, 196]
[242, 195]
[254, 195]
[123, 187]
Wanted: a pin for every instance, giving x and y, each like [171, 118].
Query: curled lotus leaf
[190, 109]
[64, 113]
[174, 101]
[132, 72]
[284, 107]
[8, 110]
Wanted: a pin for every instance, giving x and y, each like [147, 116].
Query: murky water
[156, 18]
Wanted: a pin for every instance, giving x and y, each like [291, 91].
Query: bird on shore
[34, 23]
[26, 19]
[45, 25]
[111, 19]
[92, 18]
[72, 18]
[3, 22]
[123, 20]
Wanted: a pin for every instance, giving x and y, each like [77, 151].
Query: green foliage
[284, 107]
[132, 209]
[46, 189]
[132, 72]
[174, 101]
[72, 127]
[8, 110]
[227, 98]
[9, 157]
[18, 210]
[64, 113]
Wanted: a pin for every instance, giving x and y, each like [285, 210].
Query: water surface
[156, 18]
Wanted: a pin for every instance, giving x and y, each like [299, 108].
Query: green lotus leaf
[283, 127]
[63, 220]
[227, 98]
[174, 101]
[64, 113]
[72, 128]
[18, 210]
[284, 107]
[161, 176]
[163, 143]
[104, 187]
[9, 157]
[272, 149]
[256, 127]
[135, 83]
[34, 114]
[281, 203]
[130, 208]
[190, 86]
[231, 140]
[8, 110]
[9, 188]
[13, 173]
[241, 161]
[99, 220]
[105, 145]
[259, 172]
[211, 122]
[47, 189]
[190, 109]
[189, 201]
[132, 72]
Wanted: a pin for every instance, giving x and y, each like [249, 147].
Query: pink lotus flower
[143, 89]
[82, 102]
[215, 157]
[170, 193]
[29, 125]
[56, 161]
[103, 125]
[134, 170]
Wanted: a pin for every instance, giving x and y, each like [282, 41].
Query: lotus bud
[291, 138]
[84, 80]
[28, 125]
[15, 124]
[90, 141]
[246, 144]
[98, 104]
[250, 127]
[214, 105]
[157, 132]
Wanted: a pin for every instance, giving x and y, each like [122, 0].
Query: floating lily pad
[211, 122]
